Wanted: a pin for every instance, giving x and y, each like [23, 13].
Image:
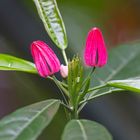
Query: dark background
[20, 25]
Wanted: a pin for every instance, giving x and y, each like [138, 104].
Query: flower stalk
[65, 57]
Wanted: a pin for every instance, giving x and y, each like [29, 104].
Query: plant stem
[62, 89]
[92, 71]
[101, 94]
[89, 76]
[66, 106]
[60, 85]
[65, 85]
[65, 56]
[97, 87]
[74, 113]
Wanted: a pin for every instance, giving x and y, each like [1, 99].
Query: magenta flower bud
[64, 71]
[45, 59]
[95, 54]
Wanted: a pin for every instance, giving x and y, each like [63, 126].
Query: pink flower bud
[95, 54]
[64, 71]
[45, 59]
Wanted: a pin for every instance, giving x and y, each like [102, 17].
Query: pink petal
[64, 71]
[102, 52]
[95, 54]
[45, 59]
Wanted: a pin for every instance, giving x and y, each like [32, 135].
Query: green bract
[75, 79]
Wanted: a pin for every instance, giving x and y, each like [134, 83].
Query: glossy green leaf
[8, 62]
[85, 130]
[132, 84]
[27, 123]
[50, 15]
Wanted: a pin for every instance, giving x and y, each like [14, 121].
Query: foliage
[28, 122]
[85, 130]
[50, 15]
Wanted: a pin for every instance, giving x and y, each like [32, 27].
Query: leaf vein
[83, 130]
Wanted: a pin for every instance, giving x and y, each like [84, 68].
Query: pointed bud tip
[95, 29]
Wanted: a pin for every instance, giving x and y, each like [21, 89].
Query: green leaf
[27, 123]
[85, 130]
[123, 63]
[50, 16]
[110, 90]
[8, 62]
[132, 84]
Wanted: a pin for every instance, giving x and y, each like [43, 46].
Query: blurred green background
[20, 25]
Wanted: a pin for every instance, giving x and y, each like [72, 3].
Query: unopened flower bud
[95, 54]
[45, 59]
[64, 71]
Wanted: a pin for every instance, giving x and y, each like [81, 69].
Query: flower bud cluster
[47, 63]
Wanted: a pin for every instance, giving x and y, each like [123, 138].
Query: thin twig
[101, 94]
[60, 88]
[95, 88]
[66, 106]
[65, 56]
